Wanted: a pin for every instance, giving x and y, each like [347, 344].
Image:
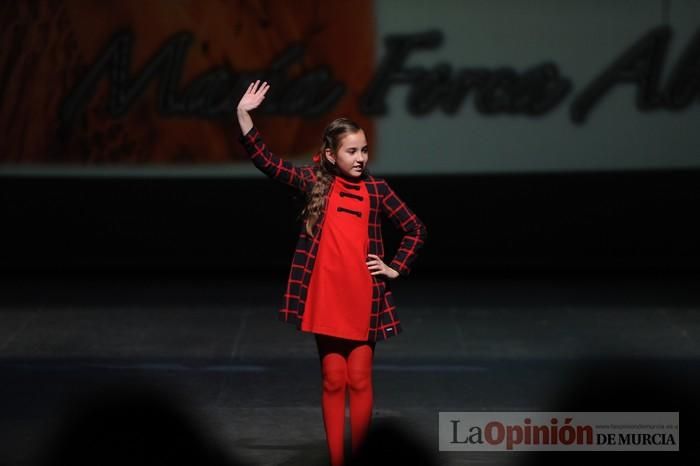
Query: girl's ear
[329, 156]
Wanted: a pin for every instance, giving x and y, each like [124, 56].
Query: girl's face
[352, 154]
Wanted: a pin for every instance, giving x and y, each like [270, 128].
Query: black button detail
[354, 187]
[354, 196]
[354, 212]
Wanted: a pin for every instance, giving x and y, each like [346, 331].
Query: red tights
[345, 364]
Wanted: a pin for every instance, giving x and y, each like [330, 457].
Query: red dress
[339, 298]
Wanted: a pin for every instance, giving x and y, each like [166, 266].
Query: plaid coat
[384, 322]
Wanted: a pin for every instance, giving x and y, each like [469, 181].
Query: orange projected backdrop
[131, 82]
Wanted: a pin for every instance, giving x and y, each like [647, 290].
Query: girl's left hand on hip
[377, 267]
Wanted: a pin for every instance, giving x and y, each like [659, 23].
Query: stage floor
[248, 386]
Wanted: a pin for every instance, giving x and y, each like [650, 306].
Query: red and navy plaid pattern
[384, 321]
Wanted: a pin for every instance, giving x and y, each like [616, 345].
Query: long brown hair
[325, 170]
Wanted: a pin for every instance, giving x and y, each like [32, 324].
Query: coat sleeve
[414, 231]
[300, 177]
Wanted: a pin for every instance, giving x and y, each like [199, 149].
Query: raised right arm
[273, 166]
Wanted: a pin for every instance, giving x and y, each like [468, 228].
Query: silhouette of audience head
[624, 385]
[131, 425]
[388, 442]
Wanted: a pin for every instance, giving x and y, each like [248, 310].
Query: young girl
[338, 286]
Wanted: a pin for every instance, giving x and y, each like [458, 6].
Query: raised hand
[254, 96]
[252, 99]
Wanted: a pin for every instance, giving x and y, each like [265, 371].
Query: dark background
[562, 222]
